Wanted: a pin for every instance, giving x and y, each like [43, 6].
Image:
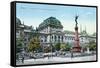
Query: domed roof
[52, 22]
[18, 22]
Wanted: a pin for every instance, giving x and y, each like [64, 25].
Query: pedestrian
[22, 59]
[71, 53]
[48, 56]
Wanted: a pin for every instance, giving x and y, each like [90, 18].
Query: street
[57, 60]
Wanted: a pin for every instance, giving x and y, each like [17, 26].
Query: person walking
[71, 53]
[22, 59]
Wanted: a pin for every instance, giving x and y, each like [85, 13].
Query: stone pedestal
[76, 47]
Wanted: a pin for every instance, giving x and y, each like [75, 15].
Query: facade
[24, 32]
[85, 38]
[51, 32]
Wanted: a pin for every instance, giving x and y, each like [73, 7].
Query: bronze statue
[76, 17]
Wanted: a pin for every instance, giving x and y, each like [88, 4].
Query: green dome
[52, 22]
[18, 22]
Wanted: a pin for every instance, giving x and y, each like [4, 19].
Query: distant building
[85, 38]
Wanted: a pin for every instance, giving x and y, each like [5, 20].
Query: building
[24, 32]
[50, 33]
[85, 38]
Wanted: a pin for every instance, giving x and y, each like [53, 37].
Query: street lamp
[50, 41]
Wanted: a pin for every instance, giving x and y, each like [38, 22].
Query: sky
[34, 14]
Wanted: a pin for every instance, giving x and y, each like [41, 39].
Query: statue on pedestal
[76, 47]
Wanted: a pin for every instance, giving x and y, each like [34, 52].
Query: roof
[18, 21]
[69, 32]
[52, 22]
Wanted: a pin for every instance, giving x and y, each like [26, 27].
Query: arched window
[55, 37]
[52, 37]
[41, 40]
[58, 38]
[62, 38]
[45, 39]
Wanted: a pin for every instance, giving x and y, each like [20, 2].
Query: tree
[34, 45]
[92, 45]
[68, 47]
[47, 49]
[94, 34]
[57, 46]
[65, 47]
[19, 46]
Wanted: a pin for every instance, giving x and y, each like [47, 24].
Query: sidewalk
[57, 60]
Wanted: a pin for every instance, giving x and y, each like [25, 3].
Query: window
[62, 38]
[45, 40]
[55, 38]
[41, 40]
[52, 37]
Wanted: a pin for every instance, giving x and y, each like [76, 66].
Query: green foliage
[57, 46]
[34, 44]
[68, 47]
[92, 45]
[65, 47]
[47, 49]
[19, 45]
[53, 48]
[94, 34]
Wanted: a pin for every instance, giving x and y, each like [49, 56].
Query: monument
[76, 47]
